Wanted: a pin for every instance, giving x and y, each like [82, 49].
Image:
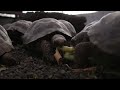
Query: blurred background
[78, 18]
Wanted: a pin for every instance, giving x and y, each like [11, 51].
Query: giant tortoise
[45, 34]
[5, 48]
[99, 39]
[16, 30]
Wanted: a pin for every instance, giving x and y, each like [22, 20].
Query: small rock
[62, 71]
[2, 68]
[50, 76]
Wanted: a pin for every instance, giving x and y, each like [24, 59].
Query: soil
[32, 67]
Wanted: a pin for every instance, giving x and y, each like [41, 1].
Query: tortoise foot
[8, 60]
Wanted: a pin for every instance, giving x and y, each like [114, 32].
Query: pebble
[62, 71]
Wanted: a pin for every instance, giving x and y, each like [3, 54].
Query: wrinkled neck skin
[58, 40]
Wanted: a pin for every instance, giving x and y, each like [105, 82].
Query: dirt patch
[31, 67]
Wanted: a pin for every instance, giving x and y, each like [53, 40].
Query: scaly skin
[83, 50]
[80, 37]
[47, 49]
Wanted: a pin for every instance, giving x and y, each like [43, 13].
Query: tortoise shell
[105, 33]
[20, 25]
[43, 27]
[5, 41]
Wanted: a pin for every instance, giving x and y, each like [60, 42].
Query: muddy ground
[31, 67]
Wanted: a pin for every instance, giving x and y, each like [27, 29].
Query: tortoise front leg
[83, 50]
[7, 59]
[48, 50]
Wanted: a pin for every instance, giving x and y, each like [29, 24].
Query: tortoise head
[80, 37]
[59, 40]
